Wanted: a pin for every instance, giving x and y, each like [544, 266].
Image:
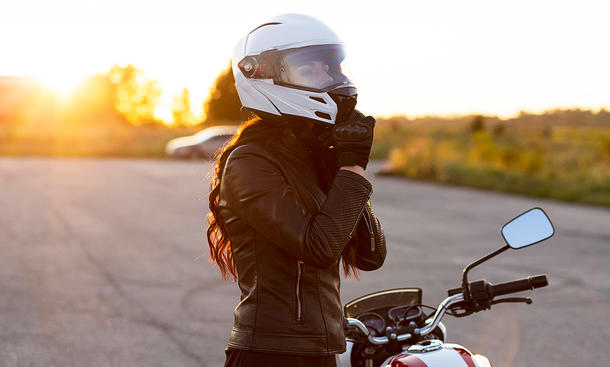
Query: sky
[406, 57]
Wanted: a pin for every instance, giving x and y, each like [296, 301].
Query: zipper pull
[298, 289]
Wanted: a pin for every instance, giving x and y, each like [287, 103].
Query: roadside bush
[566, 161]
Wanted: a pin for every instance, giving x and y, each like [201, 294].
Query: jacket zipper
[368, 220]
[351, 233]
[298, 290]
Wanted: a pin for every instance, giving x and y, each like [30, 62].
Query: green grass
[111, 140]
[564, 159]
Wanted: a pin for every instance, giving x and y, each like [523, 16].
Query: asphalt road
[103, 262]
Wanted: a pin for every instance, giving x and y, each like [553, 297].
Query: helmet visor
[316, 68]
[313, 67]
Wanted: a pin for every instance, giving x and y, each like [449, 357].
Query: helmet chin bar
[287, 101]
[345, 98]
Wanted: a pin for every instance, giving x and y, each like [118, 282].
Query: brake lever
[513, 300]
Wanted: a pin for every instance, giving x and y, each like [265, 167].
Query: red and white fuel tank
[435, 353]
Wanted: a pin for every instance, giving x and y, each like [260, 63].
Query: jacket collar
[290, 144]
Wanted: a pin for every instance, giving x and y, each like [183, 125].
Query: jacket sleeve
[369, 241]
[254, 188]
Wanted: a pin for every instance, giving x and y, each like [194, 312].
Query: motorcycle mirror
[529, 228]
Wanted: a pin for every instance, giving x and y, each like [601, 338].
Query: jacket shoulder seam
[254, 151]
[251, 149]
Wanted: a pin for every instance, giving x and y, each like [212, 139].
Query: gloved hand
[353, 139]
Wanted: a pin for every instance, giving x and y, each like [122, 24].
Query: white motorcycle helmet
[290, 66]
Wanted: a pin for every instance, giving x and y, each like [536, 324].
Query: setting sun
[411, 58]
[61, 84]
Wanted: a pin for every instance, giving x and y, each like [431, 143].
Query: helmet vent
[323, 115]
[318, 99]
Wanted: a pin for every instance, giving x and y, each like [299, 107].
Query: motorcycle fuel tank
[434, 353]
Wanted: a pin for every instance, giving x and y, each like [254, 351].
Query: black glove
[353, 139]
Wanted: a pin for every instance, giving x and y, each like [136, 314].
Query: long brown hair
[263, 132]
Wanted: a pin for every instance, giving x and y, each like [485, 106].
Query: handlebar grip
[531, 282]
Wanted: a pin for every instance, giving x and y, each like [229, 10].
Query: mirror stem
[472, 265]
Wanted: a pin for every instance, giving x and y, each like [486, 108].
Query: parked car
[201, 145]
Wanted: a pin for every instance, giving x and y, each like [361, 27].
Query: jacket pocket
[299, 291]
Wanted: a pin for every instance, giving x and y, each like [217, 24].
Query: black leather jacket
[287, 237]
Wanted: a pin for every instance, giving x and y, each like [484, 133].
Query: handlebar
[482, 292]
[531, 282]
[479, 290]
[426, 329]
[440, 312]
[377, 340]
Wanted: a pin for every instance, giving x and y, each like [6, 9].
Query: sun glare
[62, 85]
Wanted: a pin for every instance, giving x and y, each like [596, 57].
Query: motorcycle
[392, 327]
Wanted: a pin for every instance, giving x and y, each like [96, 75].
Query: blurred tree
[93, 102]
[603, 115]
[547, 131]
[498, 130]
[223, 104]
[477, 124]
[134, 96]
[181, 109]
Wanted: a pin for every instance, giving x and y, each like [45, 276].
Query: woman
[285, 205]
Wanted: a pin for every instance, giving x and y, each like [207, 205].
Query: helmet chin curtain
[345, 98]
